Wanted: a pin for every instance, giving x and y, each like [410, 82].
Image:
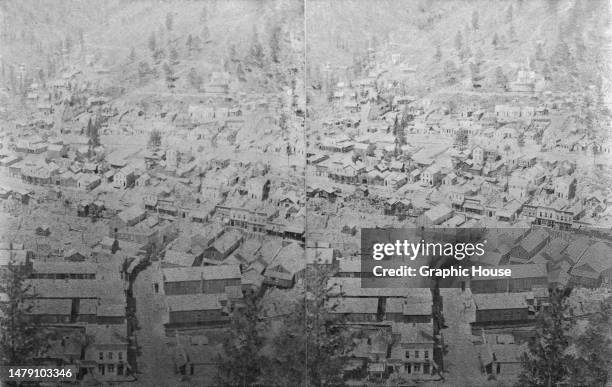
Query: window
[408, 368]
[120, 369]
[407, 354]
[426, 369]
[416, 354]
[120, 355]
[110, 356]
[111, 368]
[417, 367]
[101, 369]
[101, 356]
[426, 354]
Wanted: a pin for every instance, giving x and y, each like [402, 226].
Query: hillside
[509, 34]
[118, 35]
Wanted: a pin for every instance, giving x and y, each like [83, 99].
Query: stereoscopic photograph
[306, 193]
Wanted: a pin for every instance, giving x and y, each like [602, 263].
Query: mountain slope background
[567, 39]
[48, 36]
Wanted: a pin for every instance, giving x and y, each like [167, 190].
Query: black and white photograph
[312, 193]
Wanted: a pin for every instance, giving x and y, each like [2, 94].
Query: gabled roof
[207, 273]
[190, 302]
[320, 255]
[597, 256]
[179, 258]
[533, 240]
[576, 249]
[131, 213]
[291, 258]
[490, 301]
[413, 333]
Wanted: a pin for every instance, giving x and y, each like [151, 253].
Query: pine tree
[466, 52]
[275, 41]
[92, 131]
[521, 139]
[144, 70]
[475, 72]
[50, 67]
[195, 79]
[561, 55]
[205, 34]
[395, 128]
[132, 56]
[398, 129]
[397, 149]
[310, 348]
[169, 21]
[511, 33]
[546, 362]
[357, 64]
[256, 52]
[155, 139]
[241, 361]
[438, 54]
[579, 46]
[12, 78]
[189, 43]
[461, 139]
[68, 43]
[593, 349]
[197, 44]
[240, 72]
[458, 42]
[169, 74]
[173, 55]
[283, 122]
[20, 340]
[406, 117]
[232, 55]
[89, 129]
[330, 94]
[41, 76]
[479, 56]
[450, 70]
[475, 24]
[500, 78]
[539, 52]
[374, 42]
[509, 14]
[152, 43]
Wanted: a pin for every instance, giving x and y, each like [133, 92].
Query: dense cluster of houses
[83, 302]
[385, 158]
[492, 162]
[213, 227]
[539, 259]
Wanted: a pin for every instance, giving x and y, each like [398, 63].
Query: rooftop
[191, 302]
[212, 272]
[499, 301]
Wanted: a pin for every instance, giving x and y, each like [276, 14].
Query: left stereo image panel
[152, 220]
